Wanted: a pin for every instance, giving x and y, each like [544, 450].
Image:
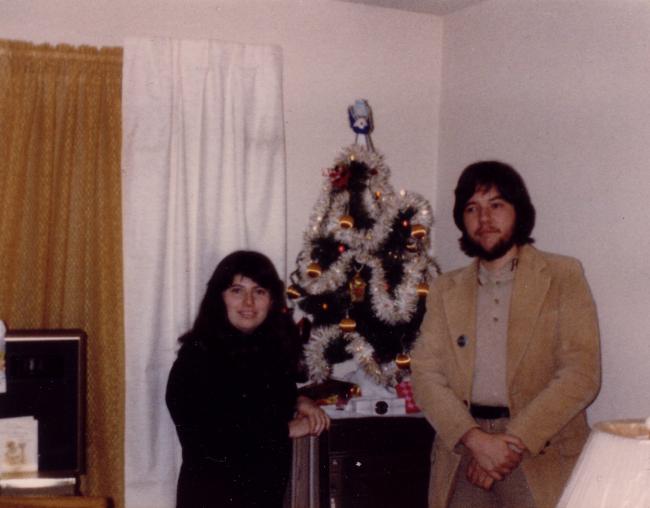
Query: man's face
[490, 223]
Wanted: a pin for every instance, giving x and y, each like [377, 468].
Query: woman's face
[247, 304]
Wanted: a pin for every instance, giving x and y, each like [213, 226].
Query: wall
[334, 53]
[559, 89]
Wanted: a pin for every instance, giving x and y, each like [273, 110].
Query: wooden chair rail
[54, 502]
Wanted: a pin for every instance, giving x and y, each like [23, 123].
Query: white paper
[18, 445]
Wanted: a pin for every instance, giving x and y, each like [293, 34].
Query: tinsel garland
[401, 307]
[395, 309]
[357, 346]
[319, 369]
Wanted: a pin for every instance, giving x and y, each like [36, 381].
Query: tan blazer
[553, 369]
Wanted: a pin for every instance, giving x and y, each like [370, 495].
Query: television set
[45, 378]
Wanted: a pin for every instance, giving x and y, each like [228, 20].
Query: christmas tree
[363, 273]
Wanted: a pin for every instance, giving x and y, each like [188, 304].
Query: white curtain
[203, 175]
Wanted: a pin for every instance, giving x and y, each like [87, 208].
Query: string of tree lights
[364, 270]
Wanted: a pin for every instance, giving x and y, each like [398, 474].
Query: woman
[232, 392]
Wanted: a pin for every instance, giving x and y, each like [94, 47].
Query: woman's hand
[298, 427]
[317, 419]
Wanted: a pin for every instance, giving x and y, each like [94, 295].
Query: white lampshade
[613, 470]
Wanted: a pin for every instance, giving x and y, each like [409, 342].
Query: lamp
[613, 469]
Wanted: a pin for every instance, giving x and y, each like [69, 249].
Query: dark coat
[231, 404]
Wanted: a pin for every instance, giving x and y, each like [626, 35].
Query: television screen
[45, 377]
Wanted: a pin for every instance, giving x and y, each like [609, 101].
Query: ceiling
[437, 7]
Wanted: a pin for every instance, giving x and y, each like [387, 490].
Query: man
[508, 356]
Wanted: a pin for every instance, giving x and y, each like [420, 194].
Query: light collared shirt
[492, 311]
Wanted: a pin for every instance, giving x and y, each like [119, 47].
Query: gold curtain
[61, 225]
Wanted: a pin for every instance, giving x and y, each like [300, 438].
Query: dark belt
[489, 412]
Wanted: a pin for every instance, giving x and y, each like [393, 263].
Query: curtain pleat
[204, 174]
[60, 217]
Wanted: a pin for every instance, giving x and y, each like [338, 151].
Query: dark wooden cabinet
[378, 462]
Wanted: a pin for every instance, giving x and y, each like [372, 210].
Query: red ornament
[339, 176]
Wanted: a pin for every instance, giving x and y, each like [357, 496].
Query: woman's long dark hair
[211, 324]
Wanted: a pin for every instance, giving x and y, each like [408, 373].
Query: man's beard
[498, 250]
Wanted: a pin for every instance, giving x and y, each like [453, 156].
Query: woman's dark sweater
[231, 404]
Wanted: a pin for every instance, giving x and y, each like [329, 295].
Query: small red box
[405, 391]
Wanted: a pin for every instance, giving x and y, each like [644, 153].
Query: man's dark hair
[484, 175]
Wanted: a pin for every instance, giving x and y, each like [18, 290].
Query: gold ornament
[422, 289]
[346, 221]
[357, 288]
[293, 292]
[347, 325]
[411, 245]
[418, 231]
[314, 270]
[403, 361]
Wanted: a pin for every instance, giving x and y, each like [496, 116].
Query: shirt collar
[504, 274]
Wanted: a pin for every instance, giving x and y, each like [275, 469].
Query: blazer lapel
[529, 291]
[460, 308]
